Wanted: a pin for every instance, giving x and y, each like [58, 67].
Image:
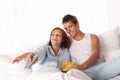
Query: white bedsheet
[10, 71]
[16, 71]
[54, 74]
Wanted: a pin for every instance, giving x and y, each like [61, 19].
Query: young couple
[82, 46]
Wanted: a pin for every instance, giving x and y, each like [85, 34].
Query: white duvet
[16, 71]
[54, 74]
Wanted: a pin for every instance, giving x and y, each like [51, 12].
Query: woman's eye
[59, 35]
[52, 34]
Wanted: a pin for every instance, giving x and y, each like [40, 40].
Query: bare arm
[95, 54]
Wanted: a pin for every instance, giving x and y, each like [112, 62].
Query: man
[85, 48]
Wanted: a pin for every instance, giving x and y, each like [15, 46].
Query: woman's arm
[19, 58]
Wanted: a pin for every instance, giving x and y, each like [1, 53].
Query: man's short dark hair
[69, 18]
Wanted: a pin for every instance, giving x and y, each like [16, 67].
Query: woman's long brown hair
[66, 40]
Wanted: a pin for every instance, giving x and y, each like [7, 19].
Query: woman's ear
[77, 24]
[62, 40]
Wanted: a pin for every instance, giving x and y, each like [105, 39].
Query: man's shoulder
[94, 37]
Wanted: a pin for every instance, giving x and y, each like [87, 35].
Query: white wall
[25, 23]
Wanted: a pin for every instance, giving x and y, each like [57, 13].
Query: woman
[49, 54]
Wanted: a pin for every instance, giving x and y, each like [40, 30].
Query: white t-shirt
[81, 50]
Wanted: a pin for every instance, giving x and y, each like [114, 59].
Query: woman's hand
[17, 59]
[29, 57]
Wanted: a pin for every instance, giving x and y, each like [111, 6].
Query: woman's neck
[55, 50]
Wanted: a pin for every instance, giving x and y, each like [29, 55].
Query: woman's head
[58, 37]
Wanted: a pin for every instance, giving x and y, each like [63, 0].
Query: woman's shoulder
[42, 46]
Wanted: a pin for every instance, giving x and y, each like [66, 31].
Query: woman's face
[56, 37]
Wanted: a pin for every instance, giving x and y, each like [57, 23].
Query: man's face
[71, 28]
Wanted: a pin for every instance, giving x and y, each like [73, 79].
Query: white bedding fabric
[54, 74]
[16, 71]
[10, 71]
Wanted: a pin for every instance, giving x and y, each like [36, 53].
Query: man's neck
[79, 36]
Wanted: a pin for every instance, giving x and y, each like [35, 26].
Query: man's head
[71, 25]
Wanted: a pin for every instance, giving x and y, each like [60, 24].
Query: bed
[16, 71]
[9, 71]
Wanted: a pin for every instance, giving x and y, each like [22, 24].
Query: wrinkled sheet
[54, 74]
[16, 71]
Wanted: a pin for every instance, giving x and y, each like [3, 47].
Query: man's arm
[95, 53]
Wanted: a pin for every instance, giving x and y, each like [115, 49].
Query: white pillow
[112, 55]
[109, 41]
[119, 32]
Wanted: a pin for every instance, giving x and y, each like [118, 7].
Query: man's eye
[71, 26]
